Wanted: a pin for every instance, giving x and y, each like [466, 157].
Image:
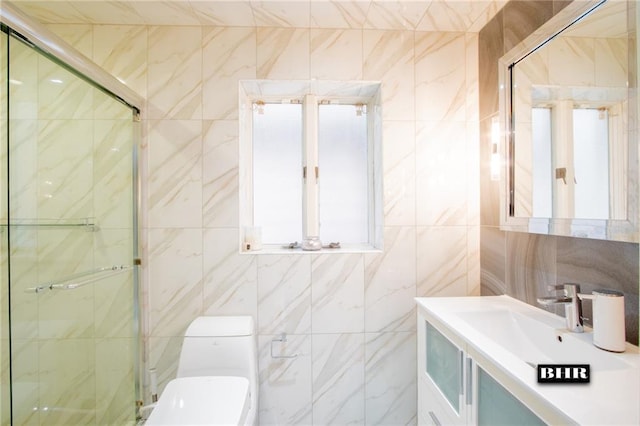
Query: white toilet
[217, 380]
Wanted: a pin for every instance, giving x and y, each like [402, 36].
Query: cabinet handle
[469, 390]
[461, 372]
[434, 418]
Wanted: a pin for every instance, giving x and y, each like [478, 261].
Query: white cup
[608, 319]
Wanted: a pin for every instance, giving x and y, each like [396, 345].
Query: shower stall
[69, 132]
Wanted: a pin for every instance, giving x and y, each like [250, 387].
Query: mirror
[569, 114]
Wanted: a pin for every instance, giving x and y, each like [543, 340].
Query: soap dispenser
[608, 319]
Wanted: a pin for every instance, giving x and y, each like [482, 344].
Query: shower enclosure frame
[16, 23]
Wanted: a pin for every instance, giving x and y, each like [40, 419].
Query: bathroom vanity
[477, 364]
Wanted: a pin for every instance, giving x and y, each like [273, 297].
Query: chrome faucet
[572, 304]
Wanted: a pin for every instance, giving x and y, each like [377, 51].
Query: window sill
[344, 249]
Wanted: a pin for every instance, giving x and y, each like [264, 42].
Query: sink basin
[541, 340]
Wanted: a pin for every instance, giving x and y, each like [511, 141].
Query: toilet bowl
[216, 383]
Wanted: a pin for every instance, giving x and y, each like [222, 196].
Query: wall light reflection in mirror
[495, 152]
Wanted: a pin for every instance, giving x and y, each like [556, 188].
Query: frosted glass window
[542, 162]
[277, 172]
[343, 184]
[498, 407]
[310, 166]
[591, 162]
[444, 366]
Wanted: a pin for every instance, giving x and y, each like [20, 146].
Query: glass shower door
[71, 244]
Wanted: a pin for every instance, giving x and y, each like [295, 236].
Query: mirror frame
[613, 230]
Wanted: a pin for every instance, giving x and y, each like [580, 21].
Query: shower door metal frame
[57, 49]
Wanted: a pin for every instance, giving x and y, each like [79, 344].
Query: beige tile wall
[350, 316]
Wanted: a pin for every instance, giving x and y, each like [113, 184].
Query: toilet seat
[206, 400]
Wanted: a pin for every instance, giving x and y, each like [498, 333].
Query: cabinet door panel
[496, 406]
[444, 366]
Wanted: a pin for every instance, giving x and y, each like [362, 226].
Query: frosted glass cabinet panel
[492, 395]
[444, 365]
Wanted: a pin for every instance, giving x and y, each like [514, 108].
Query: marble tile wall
[519, 264]
[350, 317]
[356, 14]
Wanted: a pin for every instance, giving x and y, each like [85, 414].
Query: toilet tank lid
[221, 326]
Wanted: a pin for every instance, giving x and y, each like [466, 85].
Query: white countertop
[611, 398]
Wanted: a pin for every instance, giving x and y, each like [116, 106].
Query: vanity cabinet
[477, 364]
[456, 389]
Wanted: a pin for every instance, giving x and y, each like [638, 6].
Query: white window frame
[310, 192]
[311, 94]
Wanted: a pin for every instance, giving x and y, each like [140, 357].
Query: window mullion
[310, 221]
